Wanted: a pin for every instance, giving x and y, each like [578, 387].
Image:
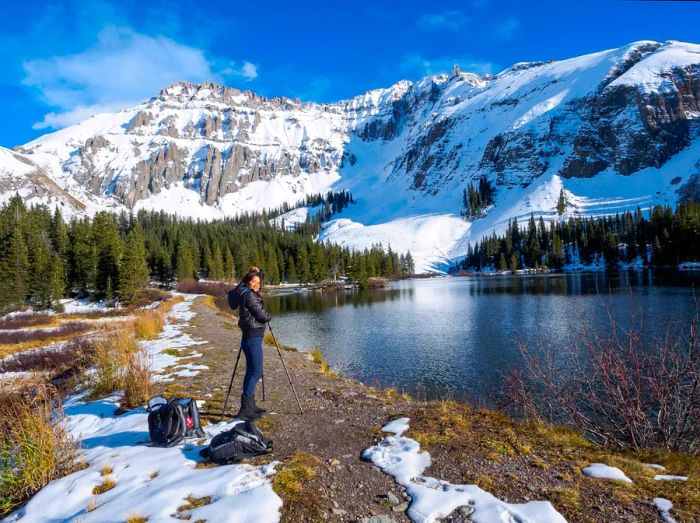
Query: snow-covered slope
[616, 129]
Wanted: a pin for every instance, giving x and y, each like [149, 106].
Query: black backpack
[234, 296]
[243, 441]
[171, 421]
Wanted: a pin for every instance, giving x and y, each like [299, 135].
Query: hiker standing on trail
[252, 319]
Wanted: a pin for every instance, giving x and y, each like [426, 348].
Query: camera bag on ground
[171, 421]
[243, 441]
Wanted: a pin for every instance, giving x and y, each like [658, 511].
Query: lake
[460, 335]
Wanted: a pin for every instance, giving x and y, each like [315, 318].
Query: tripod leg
[289, 377]
[262, 378]
[230, 385]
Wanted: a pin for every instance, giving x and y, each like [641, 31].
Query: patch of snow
[664, 507]
[432, 498]
[78, 306]
[668, 477]
[655, 466]
[603, 471]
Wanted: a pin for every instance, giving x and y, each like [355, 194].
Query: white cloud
[451, 20]
[415, 63]
[248, 71]
[121, 69]
[507, 28]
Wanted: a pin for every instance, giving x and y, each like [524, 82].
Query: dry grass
[106, 471]
[468, 436]
[193, 503]
[107, 484]
[317, 357]
[148, 324]
[134, 518]
[288, 482]
[34, 449]
[120, 364]
[92, 505]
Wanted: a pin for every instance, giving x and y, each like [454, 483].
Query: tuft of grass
[33, 449]
[153, 475]
[148, 324]
[193, 503]
[107, 484]
[106, 471]
[120, 364]
[565, 497]
[134, 518]
[288, 482]
[92, 505]
[317, 357]
[172, 352]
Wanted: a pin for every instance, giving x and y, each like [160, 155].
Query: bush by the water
[625, 388]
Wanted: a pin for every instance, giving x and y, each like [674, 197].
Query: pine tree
[503, 265]
[133, 269]
[410, 265]
[15, 270]
[82, 258]
[303, 267]
[319, 269]
[291, 271]
[108, 251]
[561, 203]
[57, 282]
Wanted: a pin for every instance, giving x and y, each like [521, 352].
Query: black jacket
[252, 316]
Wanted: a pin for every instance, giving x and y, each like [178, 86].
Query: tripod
[235, 367]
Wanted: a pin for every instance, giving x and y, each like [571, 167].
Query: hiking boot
[247, 411]
[258, 410]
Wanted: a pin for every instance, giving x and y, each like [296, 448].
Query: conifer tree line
[477, 197]
[666, 237]
[43, 258]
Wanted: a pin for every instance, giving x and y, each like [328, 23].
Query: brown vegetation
[34, 447]
[622, 389]
[212, 288]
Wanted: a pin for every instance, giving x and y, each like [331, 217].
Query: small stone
[335, 504]
[338, 512]
[531, 488]
[338, 421]
[382, 518]
[401, 507]
[466, 510]
[393, 499]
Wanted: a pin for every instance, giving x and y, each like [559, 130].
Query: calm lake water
[460, 335]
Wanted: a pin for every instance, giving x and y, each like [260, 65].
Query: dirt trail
[341, 418]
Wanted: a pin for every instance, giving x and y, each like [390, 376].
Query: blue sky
[65, 60]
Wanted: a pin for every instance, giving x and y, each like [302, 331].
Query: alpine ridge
[616, 130]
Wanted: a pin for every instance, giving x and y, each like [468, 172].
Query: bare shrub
[137, 381]
[30, 319]
[34, 446]
[73, 354]
[29, 335]
[623, 389]
[212, 288]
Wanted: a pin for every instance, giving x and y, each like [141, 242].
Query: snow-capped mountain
[616, 129]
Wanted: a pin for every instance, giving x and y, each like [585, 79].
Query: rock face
[619, 111]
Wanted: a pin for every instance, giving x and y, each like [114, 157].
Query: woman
[252, 319]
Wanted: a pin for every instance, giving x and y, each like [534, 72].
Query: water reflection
[460, 335]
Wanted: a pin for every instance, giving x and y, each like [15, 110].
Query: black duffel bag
[242, 441]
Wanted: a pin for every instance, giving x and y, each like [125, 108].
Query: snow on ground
[603, 471]
[668, 477]
[173, 337]
[432, 498]
[80, 306]
[664, 506]
[150, 482]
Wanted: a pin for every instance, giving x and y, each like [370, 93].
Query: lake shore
[322, 476]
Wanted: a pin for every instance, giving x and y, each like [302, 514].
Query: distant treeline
[43, 258]
[477, 197]
[666, 237]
